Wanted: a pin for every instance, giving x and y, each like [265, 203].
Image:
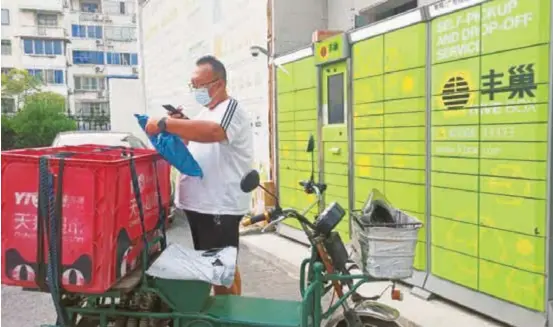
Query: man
[221, 140]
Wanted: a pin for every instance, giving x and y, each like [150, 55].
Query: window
[94, 32]
[123, 59]
[5, 17]
[89, 7]
[48, 76]
[89, 83]
[6, 71]
[384, 10]
[119, 7]
[42, 47]
[118, 33]
[134, 142]
[8, 105]
[336, 99]
[88, 57]
[47, 20]
[6, 47]
[92, 108]
[91, 32]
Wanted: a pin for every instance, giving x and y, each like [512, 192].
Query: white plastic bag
[178, 262]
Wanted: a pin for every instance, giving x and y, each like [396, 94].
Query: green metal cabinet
[446, 110]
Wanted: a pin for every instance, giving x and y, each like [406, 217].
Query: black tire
[370, 322]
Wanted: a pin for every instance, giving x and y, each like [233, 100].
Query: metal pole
[273, 100]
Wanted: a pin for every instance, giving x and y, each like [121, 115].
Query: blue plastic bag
[172, 149]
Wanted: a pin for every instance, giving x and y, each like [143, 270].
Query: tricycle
[142, 299]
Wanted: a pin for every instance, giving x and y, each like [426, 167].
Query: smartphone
[170, 108]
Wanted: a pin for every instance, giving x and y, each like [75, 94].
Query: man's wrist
[162, 124]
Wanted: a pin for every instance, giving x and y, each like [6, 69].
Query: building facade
[73, 46]
[295, 21]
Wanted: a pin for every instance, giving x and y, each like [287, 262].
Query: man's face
[203, 77]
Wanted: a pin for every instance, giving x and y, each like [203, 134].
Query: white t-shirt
[223, 164]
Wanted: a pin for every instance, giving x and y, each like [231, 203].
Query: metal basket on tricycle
[384, 239]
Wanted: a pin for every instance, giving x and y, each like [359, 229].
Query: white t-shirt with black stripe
[223, 165]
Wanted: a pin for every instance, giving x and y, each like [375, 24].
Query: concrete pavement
[270, 268]
[262, 277]
[414, 310]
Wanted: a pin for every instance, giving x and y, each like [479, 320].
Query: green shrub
[8, 133]
[41, 119]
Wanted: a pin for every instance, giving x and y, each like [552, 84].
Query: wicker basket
[385, 250]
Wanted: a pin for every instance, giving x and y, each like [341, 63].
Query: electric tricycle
[144, 299]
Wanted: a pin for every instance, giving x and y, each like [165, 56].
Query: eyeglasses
[205, 85]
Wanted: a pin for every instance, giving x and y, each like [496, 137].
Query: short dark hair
[216, 65]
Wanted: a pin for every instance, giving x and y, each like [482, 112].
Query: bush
[41, 119]
[8, 133]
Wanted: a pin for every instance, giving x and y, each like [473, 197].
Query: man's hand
[178, 115]
[151, 127]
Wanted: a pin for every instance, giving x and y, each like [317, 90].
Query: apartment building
[73, 46]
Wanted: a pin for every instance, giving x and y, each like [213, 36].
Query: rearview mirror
[250, 181]
[311, 144]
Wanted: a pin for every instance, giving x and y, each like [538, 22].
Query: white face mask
[202, 96]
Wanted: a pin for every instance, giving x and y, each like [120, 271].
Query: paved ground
[260, 277]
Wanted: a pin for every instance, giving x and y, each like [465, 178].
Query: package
[383, 239]
[216, 266]
[89, 195]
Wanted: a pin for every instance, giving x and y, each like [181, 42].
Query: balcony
[46, 32]
[42, 5]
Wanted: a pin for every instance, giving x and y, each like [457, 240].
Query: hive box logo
[455, 93]
[325, 50]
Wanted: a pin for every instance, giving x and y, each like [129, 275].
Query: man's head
[209, 81]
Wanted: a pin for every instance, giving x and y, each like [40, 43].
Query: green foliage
[41, 119]
[8, 133]
[19, 84]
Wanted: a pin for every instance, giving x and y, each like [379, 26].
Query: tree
[42, 118]
[19, 84]
[8, 133]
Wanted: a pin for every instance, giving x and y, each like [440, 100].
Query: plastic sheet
[178, 262]
[172, 149]
[384, 239]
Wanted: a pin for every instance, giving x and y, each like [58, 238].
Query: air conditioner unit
[135, 70]
[99, 42]
[70, 91]
[102, 94]
[97, 17]
[107, 19]
[98, 69]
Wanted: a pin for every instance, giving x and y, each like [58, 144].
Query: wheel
[368, 322]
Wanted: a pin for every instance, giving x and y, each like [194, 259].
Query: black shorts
[213, 231]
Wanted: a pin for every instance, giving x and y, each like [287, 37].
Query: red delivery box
[88, 192]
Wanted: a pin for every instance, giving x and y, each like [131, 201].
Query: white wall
[124, 103]
[177, 32]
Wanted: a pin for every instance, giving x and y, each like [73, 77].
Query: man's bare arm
[201, 131]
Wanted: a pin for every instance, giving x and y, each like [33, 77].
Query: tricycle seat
[250, 311]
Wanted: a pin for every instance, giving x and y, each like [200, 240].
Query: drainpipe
[271, 93]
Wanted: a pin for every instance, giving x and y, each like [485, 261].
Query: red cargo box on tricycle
[86, 194]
